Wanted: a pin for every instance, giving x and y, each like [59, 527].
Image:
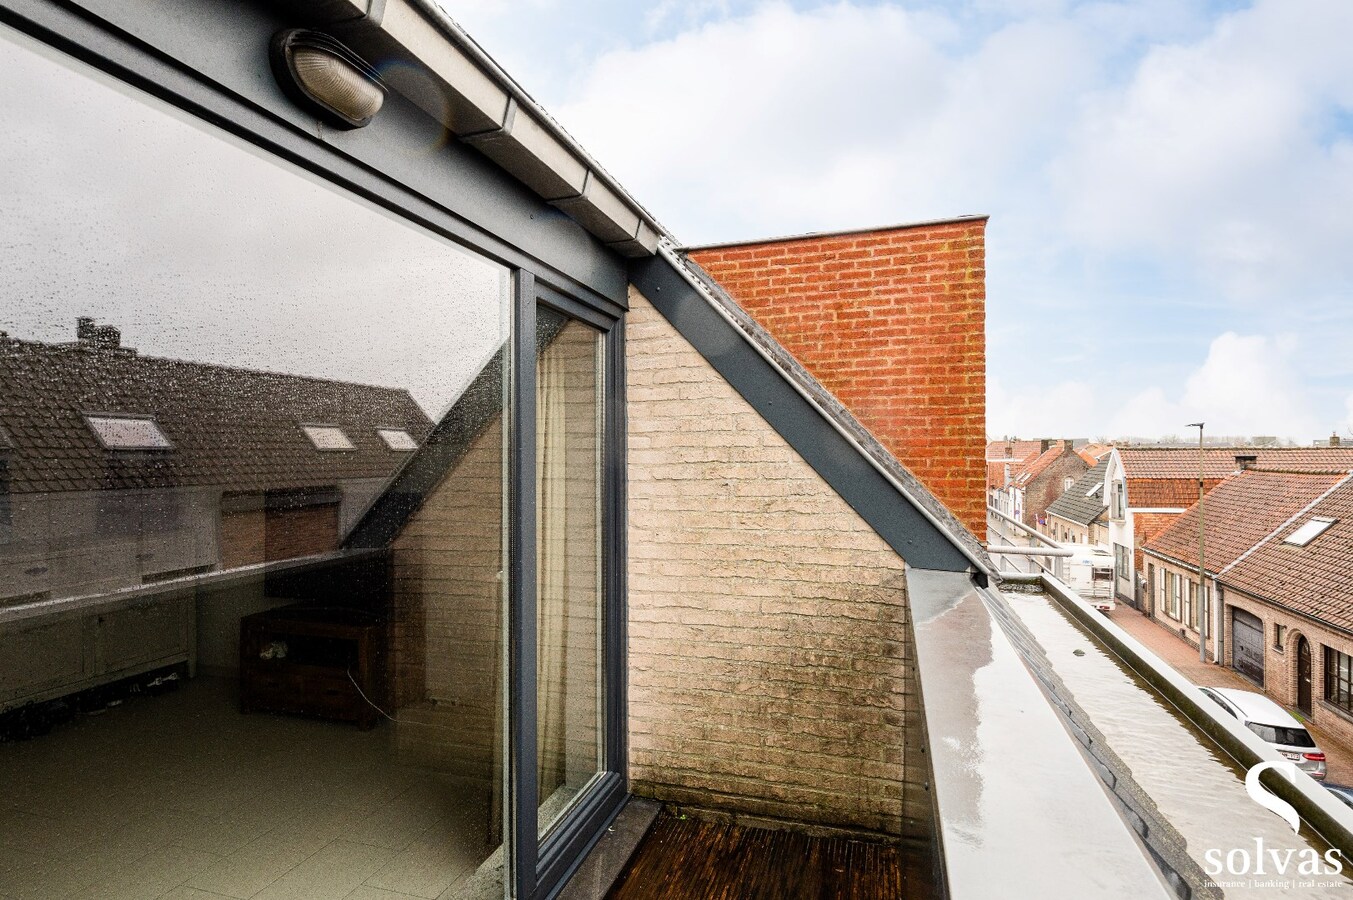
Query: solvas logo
[1272, 860]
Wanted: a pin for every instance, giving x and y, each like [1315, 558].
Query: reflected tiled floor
[181, 797]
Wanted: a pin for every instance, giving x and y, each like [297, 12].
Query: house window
[1279, 636]
[1176, 585]
[1192, 603]
[1119, 507]
[1122, 562]
[1339, 679]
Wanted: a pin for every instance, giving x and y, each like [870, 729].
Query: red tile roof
[1032, 467]
[1218, 462]
[1314, 580]
[1166, 493]
[1167, 477]
[1240, 512]
[1016, 450]
[1092, 453]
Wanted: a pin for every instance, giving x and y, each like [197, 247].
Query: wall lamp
[323, 76]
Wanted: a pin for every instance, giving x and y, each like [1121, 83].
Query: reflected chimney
[99, 337]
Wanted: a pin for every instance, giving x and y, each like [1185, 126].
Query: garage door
[1247, 644]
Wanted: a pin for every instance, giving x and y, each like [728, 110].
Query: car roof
[1257, 708]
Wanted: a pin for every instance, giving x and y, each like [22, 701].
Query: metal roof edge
[496, 115]
[828, 408]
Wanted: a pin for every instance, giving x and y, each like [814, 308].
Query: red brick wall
[893, 322]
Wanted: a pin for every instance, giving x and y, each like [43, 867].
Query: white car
[1273, 724]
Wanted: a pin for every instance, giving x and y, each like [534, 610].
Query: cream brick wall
[770, 668]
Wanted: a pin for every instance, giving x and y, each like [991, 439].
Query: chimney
[1045, 445]
[1334, 439]
[99, 337]
[1246, 460]
[892, 322]
[1068, 444]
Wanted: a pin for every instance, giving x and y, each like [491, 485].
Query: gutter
[454, 81]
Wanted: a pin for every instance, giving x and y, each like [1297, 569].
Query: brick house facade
[892, 322]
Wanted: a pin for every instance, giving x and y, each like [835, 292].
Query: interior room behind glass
[252, 539]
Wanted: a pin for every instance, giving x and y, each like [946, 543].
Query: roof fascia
[462, 87]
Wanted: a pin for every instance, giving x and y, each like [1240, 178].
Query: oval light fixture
[325, 77]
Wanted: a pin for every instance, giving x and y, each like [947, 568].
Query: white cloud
[1219, 153]
[1066, 409]
[1247, 385]
[1158, 172]
[844, 115]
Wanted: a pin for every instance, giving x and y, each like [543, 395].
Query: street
[1184, 659]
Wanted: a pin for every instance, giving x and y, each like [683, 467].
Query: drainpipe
[1218, 635]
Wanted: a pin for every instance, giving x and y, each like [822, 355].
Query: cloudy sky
[1169, 181]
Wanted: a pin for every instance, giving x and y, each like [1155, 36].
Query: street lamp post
[1202, 584]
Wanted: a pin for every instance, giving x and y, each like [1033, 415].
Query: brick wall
[1048, 485]
[893, 323]
[446, 639]
[1280, 663]
[1280, 659]
[770, 649]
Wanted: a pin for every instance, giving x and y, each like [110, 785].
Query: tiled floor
[180, 797]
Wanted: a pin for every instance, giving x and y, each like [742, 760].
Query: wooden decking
[686, 858]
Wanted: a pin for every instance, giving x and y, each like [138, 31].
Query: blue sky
[1169, 183]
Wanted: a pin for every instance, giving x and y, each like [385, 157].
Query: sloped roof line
[1287, 524]
[1075, 505]
[828, 407]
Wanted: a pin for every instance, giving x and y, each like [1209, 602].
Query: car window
[1220, 702]
[1291, 737]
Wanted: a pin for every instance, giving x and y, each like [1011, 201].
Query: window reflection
[252, 540]
[569, 454]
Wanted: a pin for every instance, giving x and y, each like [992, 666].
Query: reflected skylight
[328, 437]
[397, 439]
[128, 433]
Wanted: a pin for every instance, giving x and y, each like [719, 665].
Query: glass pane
[569, 503]
[252, 531]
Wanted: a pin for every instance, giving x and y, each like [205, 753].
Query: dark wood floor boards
[688, 858]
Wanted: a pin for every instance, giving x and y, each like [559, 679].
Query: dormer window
[397, 439]
[127, 432]
[1309, 531]
[329, 438]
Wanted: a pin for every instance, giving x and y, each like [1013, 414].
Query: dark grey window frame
[542, 868]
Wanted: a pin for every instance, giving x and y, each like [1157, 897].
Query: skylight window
[1095, 489]
[128, 432]
[397, 439]
[328, 437]
[1308, 532]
